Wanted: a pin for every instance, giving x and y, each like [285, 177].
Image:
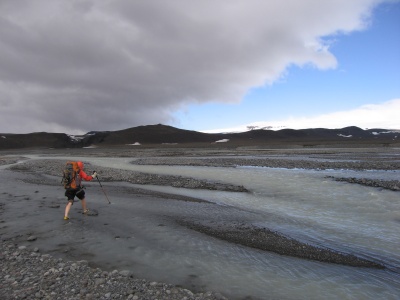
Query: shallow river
[302, 204]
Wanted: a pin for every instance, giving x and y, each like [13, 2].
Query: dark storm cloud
[103, 65]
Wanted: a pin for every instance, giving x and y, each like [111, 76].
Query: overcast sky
[81, 65]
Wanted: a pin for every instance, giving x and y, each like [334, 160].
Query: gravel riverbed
[55, 167]
[364, 164]
[26, 273]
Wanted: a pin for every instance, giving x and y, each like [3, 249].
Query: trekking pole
[102, 188]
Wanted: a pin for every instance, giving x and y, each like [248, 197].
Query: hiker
[77, 189]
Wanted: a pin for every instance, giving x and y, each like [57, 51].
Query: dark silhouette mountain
[34, 140]
[156, 135]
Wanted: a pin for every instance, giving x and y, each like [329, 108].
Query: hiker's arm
[85, 176]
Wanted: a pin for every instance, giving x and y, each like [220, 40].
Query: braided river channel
[302, 204]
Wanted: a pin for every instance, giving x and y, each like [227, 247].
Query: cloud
[81, 65]
[383, 116]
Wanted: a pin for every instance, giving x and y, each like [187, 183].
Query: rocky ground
[28, 274]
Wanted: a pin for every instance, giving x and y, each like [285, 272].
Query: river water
[304, 205]
[299, 203]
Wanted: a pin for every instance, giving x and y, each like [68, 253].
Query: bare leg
[68, 208]
[83, 201]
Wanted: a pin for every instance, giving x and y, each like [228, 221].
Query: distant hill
[156, 135]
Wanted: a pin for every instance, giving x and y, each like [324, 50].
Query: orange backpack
[70, 173]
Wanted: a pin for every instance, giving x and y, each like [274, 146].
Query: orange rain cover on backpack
[71, 171]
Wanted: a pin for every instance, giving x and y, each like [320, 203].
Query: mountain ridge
[153, 135]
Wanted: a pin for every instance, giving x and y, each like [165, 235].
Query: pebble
[31, 238]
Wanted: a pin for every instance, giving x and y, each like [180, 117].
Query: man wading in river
[72, 180]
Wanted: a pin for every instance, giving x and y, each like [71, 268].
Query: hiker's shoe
[66, 218]
[85, 211]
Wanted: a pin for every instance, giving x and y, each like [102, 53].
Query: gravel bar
[55, 167]
[366, 164]
[27, 274]
[267, 240]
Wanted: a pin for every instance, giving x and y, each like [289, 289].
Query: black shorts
[71, 193]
